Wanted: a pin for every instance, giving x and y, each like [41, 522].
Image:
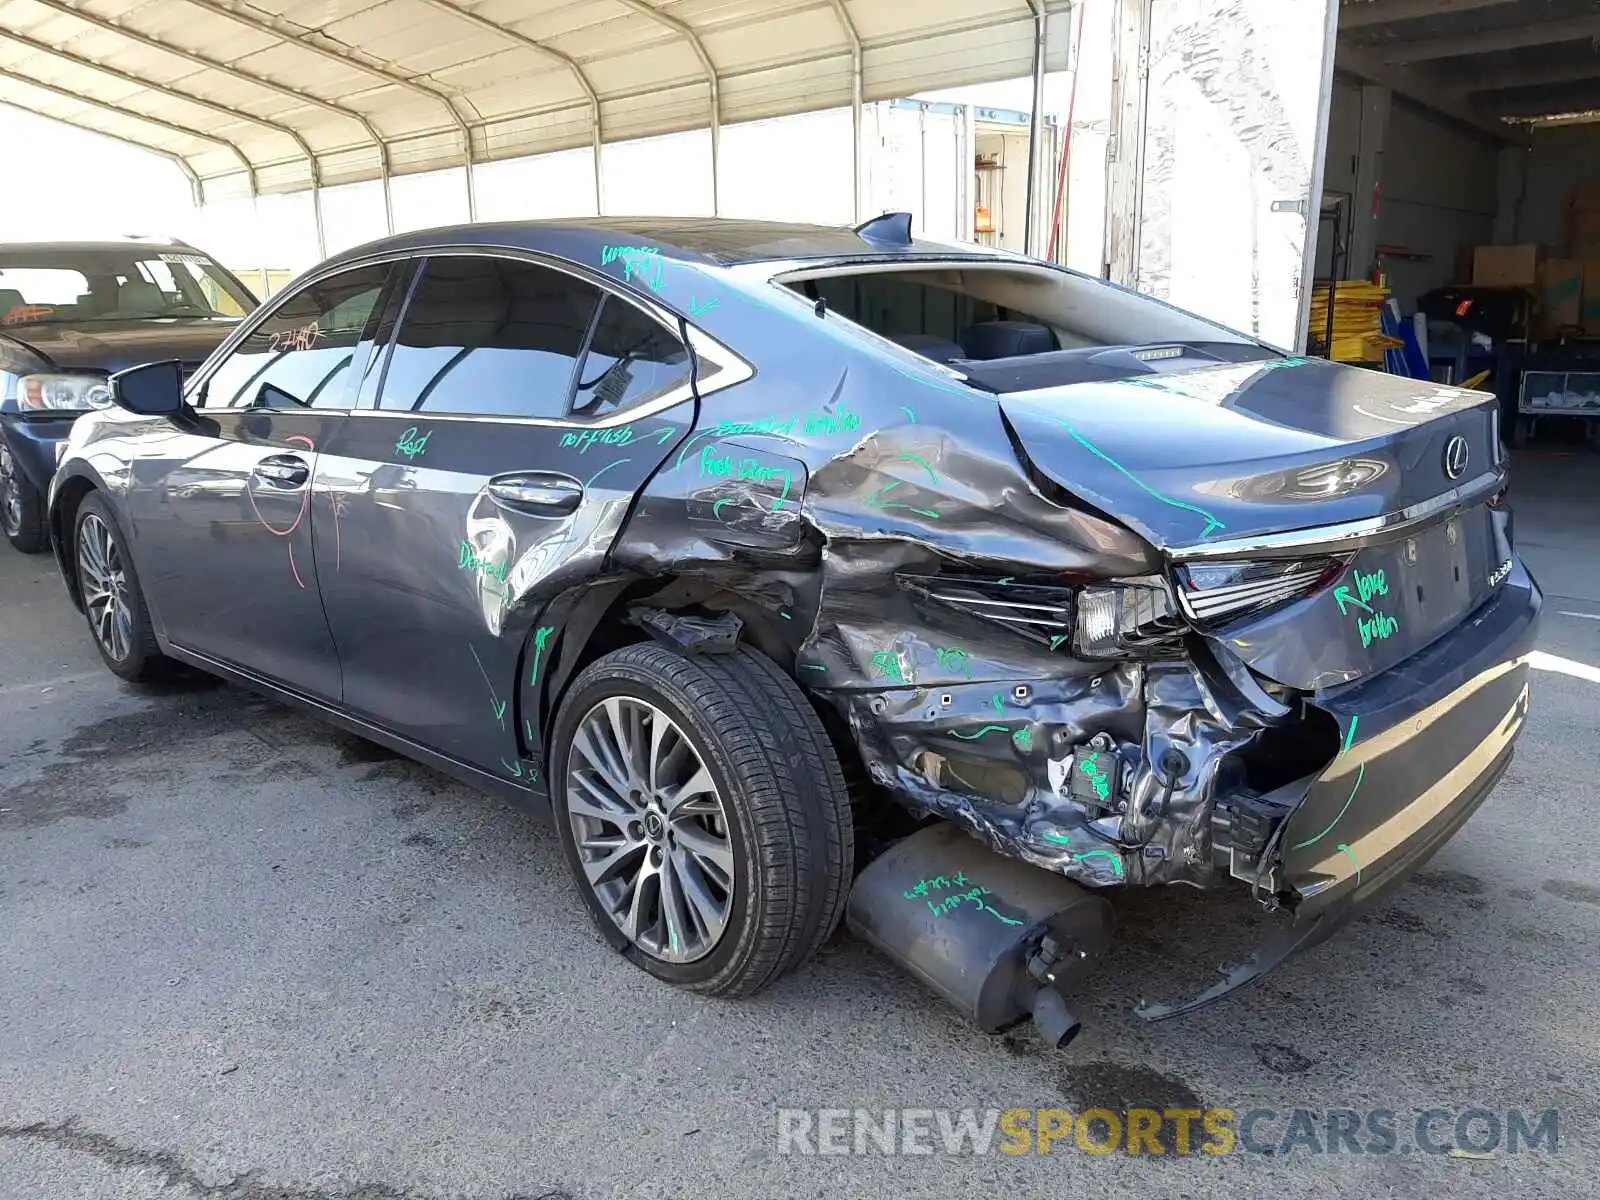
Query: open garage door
[1219, 114]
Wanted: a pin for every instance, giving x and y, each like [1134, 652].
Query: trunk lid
[1221, 454]
[1212, 464]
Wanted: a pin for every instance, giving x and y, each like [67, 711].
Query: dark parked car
[71, 313]
[717, 535]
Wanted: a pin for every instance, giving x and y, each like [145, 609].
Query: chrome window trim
[732, 368]
[1343, 536]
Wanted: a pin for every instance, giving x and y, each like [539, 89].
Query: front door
[223, 520]
[521, 409]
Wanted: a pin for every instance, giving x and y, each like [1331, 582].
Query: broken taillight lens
[1125, 619]
[1213, 593]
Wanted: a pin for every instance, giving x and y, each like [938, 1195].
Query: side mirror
[152, 390]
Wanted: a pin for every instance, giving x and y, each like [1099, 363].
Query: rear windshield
[77, 285]
[1010, 328]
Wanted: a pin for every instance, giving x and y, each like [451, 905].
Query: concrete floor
[246, 957]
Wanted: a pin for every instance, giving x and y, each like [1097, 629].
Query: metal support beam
[1364, 14]
[130, 114]
[300, 39]
[1534, 33]
[857, 88]
[1527, 77]
[1511, 190]
[1369, 177]
[1576, 99]
[1411, 85]
[713, 81]
[1125, 149]
[260, 81]
[571, 64]
[1030, 230]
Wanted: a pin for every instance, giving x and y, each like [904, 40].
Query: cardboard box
[1560, 295]
[1506, 266]
[1583, 232]
[1585, 195]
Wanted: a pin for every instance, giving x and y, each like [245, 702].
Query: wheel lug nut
[655, 856]
[635, 830]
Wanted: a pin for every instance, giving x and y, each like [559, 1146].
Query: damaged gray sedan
[751, 552]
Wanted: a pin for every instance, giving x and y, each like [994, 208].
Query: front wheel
[703, 813]
[21, 507]
[112, 599]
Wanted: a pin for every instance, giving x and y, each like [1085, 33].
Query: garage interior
[1462, 177]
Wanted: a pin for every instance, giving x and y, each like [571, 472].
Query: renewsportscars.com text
[1172, 1131]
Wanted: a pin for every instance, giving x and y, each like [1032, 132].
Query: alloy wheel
[105, 587]
[651, 830]
[10, 494]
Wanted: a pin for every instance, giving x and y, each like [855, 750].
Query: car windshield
[75, 285]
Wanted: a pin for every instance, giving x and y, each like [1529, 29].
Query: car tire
[106, 580]
[769, 848]
[21, 507]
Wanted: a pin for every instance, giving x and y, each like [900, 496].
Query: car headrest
[138, 296]
[1006, 339]
[941, 350]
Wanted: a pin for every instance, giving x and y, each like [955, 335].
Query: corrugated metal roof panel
[339, 77]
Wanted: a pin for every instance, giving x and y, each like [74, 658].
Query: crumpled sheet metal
[814, 512]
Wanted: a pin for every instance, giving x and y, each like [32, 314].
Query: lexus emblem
[1455, 457]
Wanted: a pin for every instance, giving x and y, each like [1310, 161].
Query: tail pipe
[998, 939]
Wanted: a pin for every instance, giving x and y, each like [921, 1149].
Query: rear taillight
[1125, 619]
[1213, 593]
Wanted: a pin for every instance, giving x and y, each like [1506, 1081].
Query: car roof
[147, 244]
[721, 241]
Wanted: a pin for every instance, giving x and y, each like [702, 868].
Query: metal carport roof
[284, 95]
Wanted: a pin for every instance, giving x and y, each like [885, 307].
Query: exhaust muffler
[996, 938]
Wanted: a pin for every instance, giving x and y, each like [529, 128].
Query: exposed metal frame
[713, 80]
[572, 65]
[303, 42]
[130, 114]
[260, 81]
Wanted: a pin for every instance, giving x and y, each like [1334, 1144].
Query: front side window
[490, 337]
[300, 356]
[631, 358]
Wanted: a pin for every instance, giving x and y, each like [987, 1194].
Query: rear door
[222, 509]
[518, 409]
[1219, 121]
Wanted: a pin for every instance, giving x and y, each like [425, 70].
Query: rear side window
[300, 356]
[490, 337]
[632, 358]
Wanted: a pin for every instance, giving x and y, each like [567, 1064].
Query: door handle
[283, 470]
[542, 493]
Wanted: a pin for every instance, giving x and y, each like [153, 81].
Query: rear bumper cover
[1431, 738]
